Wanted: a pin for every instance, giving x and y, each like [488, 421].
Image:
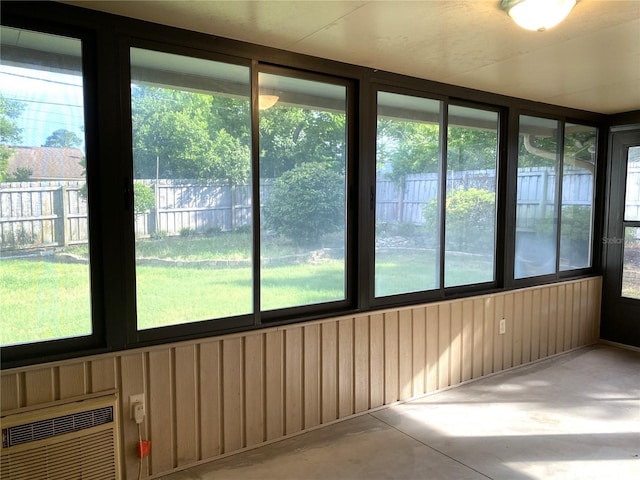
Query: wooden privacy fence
[55, 213]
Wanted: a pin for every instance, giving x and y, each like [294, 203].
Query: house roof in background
[49, 163]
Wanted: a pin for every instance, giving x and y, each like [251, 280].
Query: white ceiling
[591, 61]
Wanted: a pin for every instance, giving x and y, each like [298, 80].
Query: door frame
[620, 320]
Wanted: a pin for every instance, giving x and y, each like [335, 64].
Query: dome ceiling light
[537, 15]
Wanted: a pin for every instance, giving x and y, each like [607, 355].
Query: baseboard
[619, 345]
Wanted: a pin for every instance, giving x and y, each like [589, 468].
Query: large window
[555, 192]
[416, 203]
[44, 233]
[192, 188]
[303, 176]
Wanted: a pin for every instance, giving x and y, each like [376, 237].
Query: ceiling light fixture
[267, 101]
[537, 15]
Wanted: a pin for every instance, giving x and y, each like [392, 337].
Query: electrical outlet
[503, 326]
[133, 399]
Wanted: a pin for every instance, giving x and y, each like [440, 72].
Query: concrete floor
[576, 416]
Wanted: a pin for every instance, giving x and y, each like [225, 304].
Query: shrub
[305, 203]
[144, 199]
[470, 215]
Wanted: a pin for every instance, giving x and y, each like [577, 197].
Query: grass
[43, 299]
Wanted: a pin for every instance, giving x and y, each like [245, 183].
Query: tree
[10, 134]
[182, 133]
[63, 138]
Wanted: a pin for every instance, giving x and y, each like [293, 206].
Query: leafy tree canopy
[63, 138]
[10, 134]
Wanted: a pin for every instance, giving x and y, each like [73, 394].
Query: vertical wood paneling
[329, 371]
[254, 387]
[535, 323]
[498, 340]
[9, 392]
[103, 374]
[161, 420]
[507, 343]
[186, 405]
[390, 357]
[518, 325]
[478, 336]
[232, 394]
[405, 355]
[561, 318]
[467, 340]
[218, 396]
[132, 383]
[432, 348]
[527, 315]
[210, 380]
[544, 322]
[568, 315]
[361, 363]
[553, 319]
[294, 405]
[444, 344]
[274, 384]
[419, 361]
[488, 345]
[72, 380]
[39, 386]
[345, 367]
[312, 412]
[376, 360]
[455, 357]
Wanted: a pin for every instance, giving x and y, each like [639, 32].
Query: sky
[51, 101]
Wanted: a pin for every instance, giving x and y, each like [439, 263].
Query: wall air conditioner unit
[75, 440]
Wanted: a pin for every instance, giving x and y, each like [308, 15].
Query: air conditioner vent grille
[51, 427]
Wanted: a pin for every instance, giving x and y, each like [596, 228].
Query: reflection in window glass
[470, 216]
[192, 188]
[632, 191]
[578, 173]
[536, 197]
[631, 263]
[303, 185]
[44, 271]
[407, 235]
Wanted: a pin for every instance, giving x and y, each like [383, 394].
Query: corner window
[44, 233]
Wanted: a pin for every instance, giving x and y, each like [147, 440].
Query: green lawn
[44, 299]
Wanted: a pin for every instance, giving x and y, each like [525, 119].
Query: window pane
[536, 197]
[632, 196]
[578, 173]
[470, 217]
[44, 271]
[631, 263]
[407, 219]
[303, 186]
[192, 188]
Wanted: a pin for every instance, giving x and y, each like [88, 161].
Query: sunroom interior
[271, 237]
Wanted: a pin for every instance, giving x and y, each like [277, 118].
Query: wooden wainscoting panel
[467, 340]
[568, 315]
[553, 320]
[329, 334]
[345, 367]
[527, 319]
[187, 404]
[444, 344]
[455, 357]
[507, 344]
[433, 351]
[103, 374]
[73, 380]
[294, 400]
[161, 410]
[561, 318]
[419, 360]
[254, 413]
[405, 355]
[210, 378]
[489, 332]
[376, 360]
[478, 337]
[361, 363]
[232, 398]
[39, 386]
[390, 357]
[536, 321]
[132, 382]
[518, 326]
[274, 384]
[312, 376]
[498, 340]
[10, 388]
